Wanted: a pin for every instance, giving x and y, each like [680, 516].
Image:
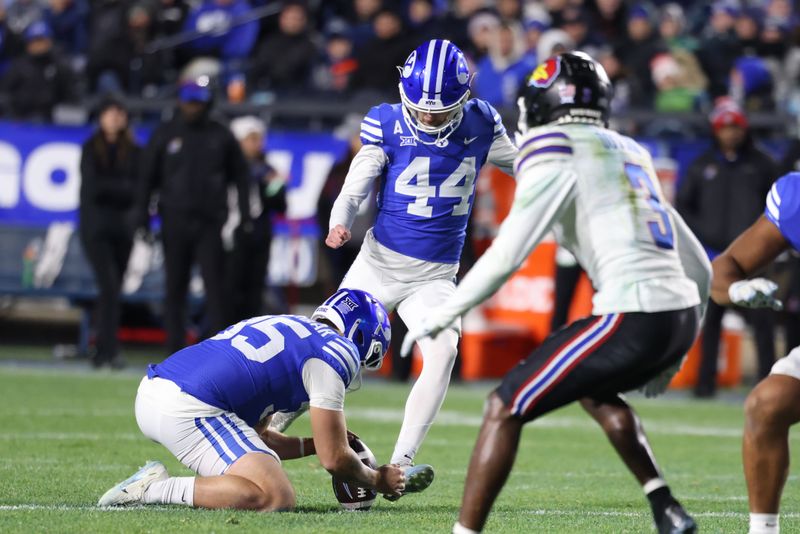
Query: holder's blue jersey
[427, 190]
[783, 207]
[255, 367]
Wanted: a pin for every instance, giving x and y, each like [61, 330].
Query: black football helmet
[569, 87]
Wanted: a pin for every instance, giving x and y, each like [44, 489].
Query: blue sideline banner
[40, 184]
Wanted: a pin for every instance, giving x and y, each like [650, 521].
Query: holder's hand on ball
[337, 236]
[391, 480]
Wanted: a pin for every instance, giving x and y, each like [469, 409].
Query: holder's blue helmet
[362, 319]
[434, 79]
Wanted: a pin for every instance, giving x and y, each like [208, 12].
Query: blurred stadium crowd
[663, 56]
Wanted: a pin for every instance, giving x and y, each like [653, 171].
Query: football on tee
[351, 496]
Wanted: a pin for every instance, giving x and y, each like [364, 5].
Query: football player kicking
[427, 152]
[597, 191]
[774, 404]
[209, 404]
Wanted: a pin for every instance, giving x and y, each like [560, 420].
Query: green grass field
[67, 435]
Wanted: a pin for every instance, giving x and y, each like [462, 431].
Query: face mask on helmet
[363, 320]
[434, 86]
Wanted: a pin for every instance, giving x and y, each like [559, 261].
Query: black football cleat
[675, 520]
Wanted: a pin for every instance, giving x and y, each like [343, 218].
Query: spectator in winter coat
[109, 177]
[283, 62]
[36, 82]
[226, 35]
[721, 195]
[68, 19]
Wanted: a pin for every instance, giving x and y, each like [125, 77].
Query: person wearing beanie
[553, 42]
[751, 84]
[637, 52]
[38, 80]
[719, 47]
[673, 90]
[747, 28]
[191, 161]
[248, 258]
[721, 195]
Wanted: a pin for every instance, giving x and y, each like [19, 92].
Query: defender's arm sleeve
[543, 193]
[502, 154]
[367, 165]
[693, 258]
[324, 386]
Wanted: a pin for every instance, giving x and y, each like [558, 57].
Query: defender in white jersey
[426, 153]
[597, 191]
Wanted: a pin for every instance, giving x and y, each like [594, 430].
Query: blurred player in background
[426, 151]
[210, 404]
[247, 262]
[774, 405]
[597, 191]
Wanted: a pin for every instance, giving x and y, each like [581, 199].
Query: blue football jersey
[426, 190]
[254, 368]
[783, 207]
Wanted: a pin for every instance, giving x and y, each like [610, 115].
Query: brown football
[351, 496]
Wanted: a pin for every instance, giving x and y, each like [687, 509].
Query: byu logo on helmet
[434, 80]
[409, 66]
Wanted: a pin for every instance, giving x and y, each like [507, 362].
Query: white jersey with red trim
[597, 191]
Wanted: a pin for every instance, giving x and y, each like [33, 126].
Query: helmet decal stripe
[428, 68]
[336, 297]
[440, 69]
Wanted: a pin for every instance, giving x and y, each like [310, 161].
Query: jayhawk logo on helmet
[545, 74]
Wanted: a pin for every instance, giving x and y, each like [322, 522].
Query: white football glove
[755, 293]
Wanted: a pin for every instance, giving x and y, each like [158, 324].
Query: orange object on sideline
[729, 372]
[493, 354]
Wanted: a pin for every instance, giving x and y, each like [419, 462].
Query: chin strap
[449, 129]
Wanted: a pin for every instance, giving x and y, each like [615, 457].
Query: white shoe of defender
[131, 490]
